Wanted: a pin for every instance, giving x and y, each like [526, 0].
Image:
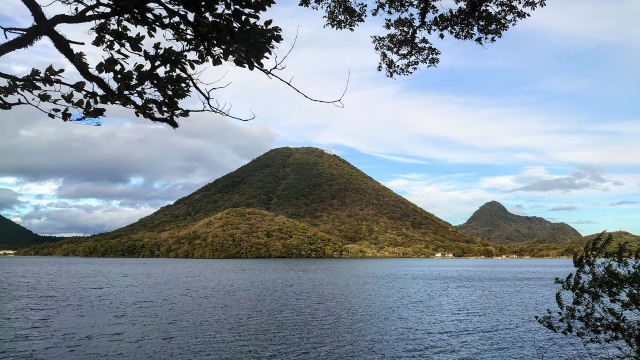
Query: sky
[546, 121]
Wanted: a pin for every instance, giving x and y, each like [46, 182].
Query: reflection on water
[274, 308]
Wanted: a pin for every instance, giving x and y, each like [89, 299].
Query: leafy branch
[600, 302]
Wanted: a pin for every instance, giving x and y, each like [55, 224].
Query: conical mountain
[300, 183]
[290, 196]
[14, 236]
[493, 222]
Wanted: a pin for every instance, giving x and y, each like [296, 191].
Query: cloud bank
[131, 165]
[8, 199]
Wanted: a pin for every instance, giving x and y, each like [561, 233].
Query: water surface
[88, 308]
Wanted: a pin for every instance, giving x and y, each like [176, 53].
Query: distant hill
[619, 236]
[14, 236]
[493, 222]
[285, 194]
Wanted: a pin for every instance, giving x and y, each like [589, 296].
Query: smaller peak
[490, 209]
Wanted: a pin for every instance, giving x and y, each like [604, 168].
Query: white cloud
[518, 210]
[564, 208]
[583, 222]
[46, 187]
[446, 198]
[624, 202]
[205, 146]
[588, 21]
[64, 218]
[9, 199]
[455, 198]
[381, 117]
[583, 178]
[66, 161]
[401, 159]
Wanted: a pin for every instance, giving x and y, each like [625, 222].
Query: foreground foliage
[600, 302]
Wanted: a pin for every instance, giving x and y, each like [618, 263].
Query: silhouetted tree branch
[600, 303]
[409, 25]
[153, 51]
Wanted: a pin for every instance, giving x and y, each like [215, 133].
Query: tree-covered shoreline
[252, 233]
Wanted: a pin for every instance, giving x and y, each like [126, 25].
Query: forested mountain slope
[14, 236]
[493, 222]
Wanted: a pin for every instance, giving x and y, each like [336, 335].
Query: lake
[89, 308]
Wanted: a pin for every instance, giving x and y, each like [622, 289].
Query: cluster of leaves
[151, 51]
[600, 302]
[410, 24]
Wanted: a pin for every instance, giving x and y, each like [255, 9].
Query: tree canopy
[600, 303]
[153, 51]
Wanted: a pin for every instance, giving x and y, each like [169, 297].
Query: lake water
[88, 308]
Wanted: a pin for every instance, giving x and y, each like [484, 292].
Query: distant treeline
[295, 247]
[250, 233]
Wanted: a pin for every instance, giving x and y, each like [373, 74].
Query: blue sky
[545, 121]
